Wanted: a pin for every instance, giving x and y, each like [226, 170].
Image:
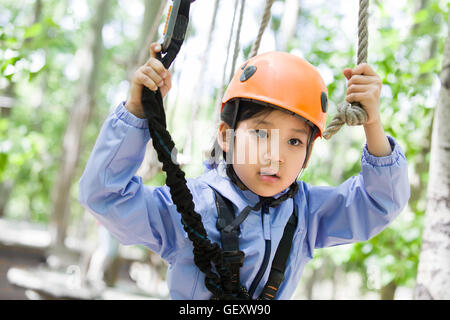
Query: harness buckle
[276, 277]
[234, 257]
[220, 224]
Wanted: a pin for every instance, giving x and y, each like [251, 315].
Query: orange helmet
[283, 80]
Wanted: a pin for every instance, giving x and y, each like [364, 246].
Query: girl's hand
[364, 86]
[152, 75]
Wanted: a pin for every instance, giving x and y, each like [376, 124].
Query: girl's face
[268, 145]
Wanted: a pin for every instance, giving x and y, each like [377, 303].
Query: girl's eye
[295, 142]
[261, 133]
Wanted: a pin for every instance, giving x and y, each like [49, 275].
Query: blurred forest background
[65, 65]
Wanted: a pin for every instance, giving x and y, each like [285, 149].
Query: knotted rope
[262, 27]
[353, 114]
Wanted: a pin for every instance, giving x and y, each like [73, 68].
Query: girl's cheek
[241, 153]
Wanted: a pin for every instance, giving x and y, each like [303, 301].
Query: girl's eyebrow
[300, 131]
[292, 129]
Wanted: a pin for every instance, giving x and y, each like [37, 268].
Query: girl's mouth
[271, 178]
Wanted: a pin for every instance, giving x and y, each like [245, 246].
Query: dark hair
[247, 110]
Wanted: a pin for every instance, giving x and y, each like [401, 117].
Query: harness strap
[235, 223]
[232, 256]
[276, 276]
[235, 258]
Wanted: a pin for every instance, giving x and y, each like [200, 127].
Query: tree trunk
[148, 34]
[5, 190]
[288, 24]
[387, 292]
[433, 277]
[418, 190]
[309, 286]
[198, 90]
[78, 119]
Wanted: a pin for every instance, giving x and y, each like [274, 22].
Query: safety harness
[228, 225]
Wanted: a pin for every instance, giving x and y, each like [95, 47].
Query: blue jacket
[356, 210]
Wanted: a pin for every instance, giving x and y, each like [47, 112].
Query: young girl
[276, 98]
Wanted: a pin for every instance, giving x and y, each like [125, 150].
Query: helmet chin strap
[234, 177]
[229, 167]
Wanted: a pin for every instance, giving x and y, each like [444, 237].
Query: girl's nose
[272, 157]
[270, 149]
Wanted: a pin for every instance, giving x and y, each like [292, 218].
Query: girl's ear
[222, 136]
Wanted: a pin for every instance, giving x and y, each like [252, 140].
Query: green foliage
[3, 148]
[30, 135]
[391, 255]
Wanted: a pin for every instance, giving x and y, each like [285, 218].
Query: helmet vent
[324, 102]
[247, 73]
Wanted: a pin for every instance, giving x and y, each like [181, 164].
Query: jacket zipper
[266, 258]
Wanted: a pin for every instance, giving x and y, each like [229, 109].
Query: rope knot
[350, 114]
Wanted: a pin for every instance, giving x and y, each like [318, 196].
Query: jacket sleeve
[363, 205]
[108, 188]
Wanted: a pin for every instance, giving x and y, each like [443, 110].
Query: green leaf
[3, 164]
[421, 16]
[33, 30]
[428, 66]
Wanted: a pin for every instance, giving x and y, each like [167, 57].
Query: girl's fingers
[153, 75]
[348, 73]
[361, 74]
[357, 97]
[360, 79]
[144, 80]
[359, 88]
[368, 89]
[157, 66]
[155, 47]
[168, 80]
[365, 69]
[154, 63]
